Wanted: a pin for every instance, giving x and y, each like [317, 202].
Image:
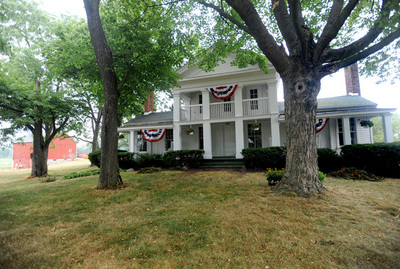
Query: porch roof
[159, 118]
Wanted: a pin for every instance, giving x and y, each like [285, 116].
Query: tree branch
[333, 67]
[362, 43]
[335, 22]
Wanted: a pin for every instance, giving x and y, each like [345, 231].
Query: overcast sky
[385, 94]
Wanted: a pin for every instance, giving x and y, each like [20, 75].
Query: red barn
[60, 149]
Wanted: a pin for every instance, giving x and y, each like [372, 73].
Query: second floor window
[254, 95]
[200, 103]
[227, 107]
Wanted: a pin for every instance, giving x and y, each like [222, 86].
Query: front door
[223, 140]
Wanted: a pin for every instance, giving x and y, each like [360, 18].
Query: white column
[177, 107]
[387, 128]
[207, 140]
[273, 98]
[131, 141]
[239, 102]
[275, 131]
[135, 141]
[177, 137]
[346, 131]
[206, 104]
[239, 135]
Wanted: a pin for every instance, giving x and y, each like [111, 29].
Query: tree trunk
[40, 153]
[109, 170]
[301, 172]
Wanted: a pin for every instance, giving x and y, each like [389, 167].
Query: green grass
[176, 219]
[5, 163]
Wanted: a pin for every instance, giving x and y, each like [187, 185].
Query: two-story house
[218, 112]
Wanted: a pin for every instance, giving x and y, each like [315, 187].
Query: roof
[339, 103]
[153, 118]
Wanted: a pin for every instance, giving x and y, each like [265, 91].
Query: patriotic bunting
[320, 125]
[153, 135]
[222, 92]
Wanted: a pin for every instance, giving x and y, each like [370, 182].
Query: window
[254, 95]
[353, 136]
[254, 137]
[201, 139]
[142, 144]
[227, 107]
[169, 138]
[200, 103]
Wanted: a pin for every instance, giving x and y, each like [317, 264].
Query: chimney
[352, 79]
[149, 104]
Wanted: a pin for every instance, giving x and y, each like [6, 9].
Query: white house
[221, 107]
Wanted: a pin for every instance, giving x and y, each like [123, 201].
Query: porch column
[239, 137]
[131, 141]
[275, 131]
[177, 136]
[206, 104]
[135, 141]
[238, 103]
[387, 128]
[177, 107]
[207, 140]
[346, 131]
[273, 98]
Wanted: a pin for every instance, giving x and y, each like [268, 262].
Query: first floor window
[142, 143]
[201, 139]
[254, 137]
[352, 126]
[169, 138]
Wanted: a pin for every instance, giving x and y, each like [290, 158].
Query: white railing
[222, 110]
[191, 112]
[257, 106]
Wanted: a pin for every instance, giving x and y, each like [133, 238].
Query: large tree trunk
[109, 170]
[40, 152]
[301, 172]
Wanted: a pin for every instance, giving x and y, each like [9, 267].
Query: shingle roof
[151, 119]
[346, 102]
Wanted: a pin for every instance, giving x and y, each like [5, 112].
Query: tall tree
[137, 55]
[305, 41]
[29, 97]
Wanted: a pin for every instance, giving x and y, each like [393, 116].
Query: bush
[82, 174]
[125, 159]
[275, 175]
[148, 160]
[328, 160]
[183, 158]
[354, 174]
[380, 159]
[264, 157]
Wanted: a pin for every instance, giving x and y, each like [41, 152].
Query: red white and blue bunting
[153, 135]
[222, 92]
[320, 125]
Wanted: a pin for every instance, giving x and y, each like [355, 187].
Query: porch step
[222, 163]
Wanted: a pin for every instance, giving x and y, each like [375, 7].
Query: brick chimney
[352, 79]
[149, 103]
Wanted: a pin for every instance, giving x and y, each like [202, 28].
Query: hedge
[183, 158]
[275, 157]
[125, 159]
[382, 159]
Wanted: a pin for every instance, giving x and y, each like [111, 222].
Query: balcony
[222, 110]
[253, 107]
[191, 112]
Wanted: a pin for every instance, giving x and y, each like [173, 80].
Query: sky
[384, 94]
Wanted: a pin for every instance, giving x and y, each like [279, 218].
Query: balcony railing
[191, 112]
[257, 106]
[222, 110]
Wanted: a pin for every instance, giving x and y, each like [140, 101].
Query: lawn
[194, 219]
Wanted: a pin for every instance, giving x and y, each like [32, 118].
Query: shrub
[275, 175]
[125, 159]
[183, 158]
[354, 174]
[82, 174]
[149, 160]
[328, 160]
[264, 157]
[380, 159]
